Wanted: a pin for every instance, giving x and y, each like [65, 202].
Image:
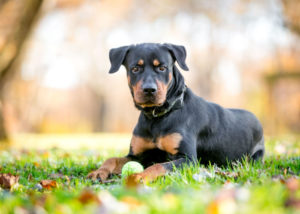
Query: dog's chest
[168, 143]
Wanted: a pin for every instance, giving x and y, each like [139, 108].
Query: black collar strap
[160, 111]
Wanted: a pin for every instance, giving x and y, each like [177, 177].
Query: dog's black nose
[150, 89]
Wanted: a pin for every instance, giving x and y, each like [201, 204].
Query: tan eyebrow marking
[140, 62]
[156, 62]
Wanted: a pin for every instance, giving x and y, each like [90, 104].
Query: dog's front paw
[99, 174]
[136, 177]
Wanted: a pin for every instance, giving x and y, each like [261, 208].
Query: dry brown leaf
[132, 182]
[87, 196]
[226, 173]
[48, 184]
[293, 202]
[292, 184]
[7, 180]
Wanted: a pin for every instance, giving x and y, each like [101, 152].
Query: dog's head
[149, 70]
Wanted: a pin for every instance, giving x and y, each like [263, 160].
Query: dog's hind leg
[258, 150]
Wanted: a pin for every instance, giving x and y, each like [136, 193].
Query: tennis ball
[131, 167]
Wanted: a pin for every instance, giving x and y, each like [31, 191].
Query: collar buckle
[180, 98]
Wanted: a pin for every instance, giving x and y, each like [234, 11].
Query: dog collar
[160, 111]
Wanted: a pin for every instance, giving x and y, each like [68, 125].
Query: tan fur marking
[139, 144]
[114, 165]
[128, 79]
[137, 90]
[110, 166]
[156, 62]
[140, 62]
[162, 89]
[149, 174]
[170, 77]
[152, 172]
[120, 162]
[170, 143]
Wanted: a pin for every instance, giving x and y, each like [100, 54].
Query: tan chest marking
[169, 143]
[139, 144]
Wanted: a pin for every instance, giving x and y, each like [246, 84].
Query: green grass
[243, 188]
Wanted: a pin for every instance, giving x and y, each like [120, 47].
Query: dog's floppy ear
[116, 57]
[179, 53]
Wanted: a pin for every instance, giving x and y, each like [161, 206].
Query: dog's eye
[162, 68]
[135, 69]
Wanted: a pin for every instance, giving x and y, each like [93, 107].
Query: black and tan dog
[176, 126]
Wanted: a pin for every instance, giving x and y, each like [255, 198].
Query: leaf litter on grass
[7, 180]
[244, 185]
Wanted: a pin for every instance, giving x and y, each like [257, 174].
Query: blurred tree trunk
[3, 135]
[16, 20]
[291, 10]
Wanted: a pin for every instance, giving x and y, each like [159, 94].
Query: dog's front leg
[110, 166]
[180, 152]
[160, 169]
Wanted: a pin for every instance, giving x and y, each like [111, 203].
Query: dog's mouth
[148, 101]
[149, 105]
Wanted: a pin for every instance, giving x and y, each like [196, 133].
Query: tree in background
[16, 20]
[291, 11]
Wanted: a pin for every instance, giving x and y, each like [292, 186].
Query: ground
[54, 181]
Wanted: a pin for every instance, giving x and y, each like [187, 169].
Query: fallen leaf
[292, 184]
[87, 195]
[48, 184]
[36, 164]
[132, 182]
[223, 173]
[293, 202]
[8, 180]
[132, 202]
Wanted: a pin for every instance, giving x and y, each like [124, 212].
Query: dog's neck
[174, 100]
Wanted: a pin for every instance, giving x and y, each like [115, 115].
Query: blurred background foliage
[54, 60]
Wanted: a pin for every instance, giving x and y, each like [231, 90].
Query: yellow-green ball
[131, 167]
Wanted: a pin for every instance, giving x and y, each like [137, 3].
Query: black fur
[210, 132]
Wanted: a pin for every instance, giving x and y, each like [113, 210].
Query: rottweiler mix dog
[175, 126]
